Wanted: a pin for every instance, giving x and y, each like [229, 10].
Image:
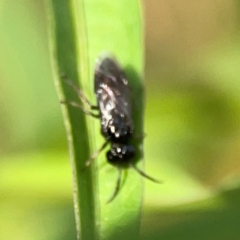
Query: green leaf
[80, 32]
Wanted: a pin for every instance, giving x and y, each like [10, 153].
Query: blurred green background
[192, 124]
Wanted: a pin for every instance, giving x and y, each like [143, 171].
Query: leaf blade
[93, 33]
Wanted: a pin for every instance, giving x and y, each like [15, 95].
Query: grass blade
[80, 31]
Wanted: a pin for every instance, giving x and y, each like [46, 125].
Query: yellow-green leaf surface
[80, 32]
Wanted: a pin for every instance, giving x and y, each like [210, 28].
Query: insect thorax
[117, 129]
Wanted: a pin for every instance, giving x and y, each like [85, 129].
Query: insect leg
[89, 161]
[74, 104]
[117, 186]
[144, 174]
[79, 92]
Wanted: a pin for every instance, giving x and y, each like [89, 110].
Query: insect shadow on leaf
[114, 110]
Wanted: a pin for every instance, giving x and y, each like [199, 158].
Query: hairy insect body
[113, 96]
[115, 113]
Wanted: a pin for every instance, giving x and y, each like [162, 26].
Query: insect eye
[111, 157]
[130, 151]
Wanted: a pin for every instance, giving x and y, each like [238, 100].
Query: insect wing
[112, 91]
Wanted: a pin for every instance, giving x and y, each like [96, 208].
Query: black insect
[115, 112]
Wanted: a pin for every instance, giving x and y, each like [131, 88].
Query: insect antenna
[144, 174]
[117, 186]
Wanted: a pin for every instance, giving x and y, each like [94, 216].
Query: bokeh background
[192, 124]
